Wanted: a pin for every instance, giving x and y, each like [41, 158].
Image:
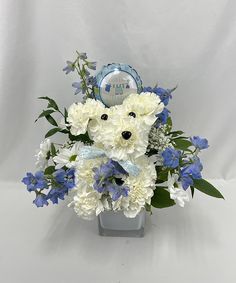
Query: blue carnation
[200, 143]
[36, 181]
[171, 157]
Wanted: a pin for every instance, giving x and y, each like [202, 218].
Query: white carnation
[42, 153]
[68, 156]
[79, 115]
[145, 106]
[87, 202]
[117, 144]
[141, 189]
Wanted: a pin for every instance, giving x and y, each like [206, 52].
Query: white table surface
[194, 244]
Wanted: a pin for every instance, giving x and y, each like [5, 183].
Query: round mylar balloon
[115, 82]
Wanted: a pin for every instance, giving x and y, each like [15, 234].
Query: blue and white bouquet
[118, 156]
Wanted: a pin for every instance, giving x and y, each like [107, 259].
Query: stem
[79, 71]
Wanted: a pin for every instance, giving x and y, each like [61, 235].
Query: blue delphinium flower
[36, 181]
[162, 117]
[82, 55]
[200, 143]
[77, 86]
[164, 94]
[69, 68]
[92, 65]
[171, 157]
[91, 80]
[190, 172]
[108, 178]
[57, 193]
[117, 191]
[65, 178]
[40, 200]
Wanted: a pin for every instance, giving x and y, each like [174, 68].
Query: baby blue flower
[92, 65]
[36, 181]
[200, 143]
[77, 86]
[40, 200]
[69, 68]
[171, 157]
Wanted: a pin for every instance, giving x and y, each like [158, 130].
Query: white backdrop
[188, 42]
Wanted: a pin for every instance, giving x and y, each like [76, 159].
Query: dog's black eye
[104, 117]
[119, 181]
[132, 114]
[126, 135]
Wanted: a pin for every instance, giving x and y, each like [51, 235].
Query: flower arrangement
[125, 157]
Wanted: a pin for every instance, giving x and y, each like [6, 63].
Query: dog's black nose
[126, 135]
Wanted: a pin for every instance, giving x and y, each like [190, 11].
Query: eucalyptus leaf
[207, 188]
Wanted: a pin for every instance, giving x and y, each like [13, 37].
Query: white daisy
[68, 156]
[42, 154]
[178, 194]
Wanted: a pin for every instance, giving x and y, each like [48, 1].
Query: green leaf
[176, 133]
[161, 198]
[192, 191]
[51, 120]
[52, 132]
[169, 124]
[53, 150]
[49, 170]
[207, 188]
[83, 138]
[65, 114]
[51, 102]
[45, 113]
[182, 144]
